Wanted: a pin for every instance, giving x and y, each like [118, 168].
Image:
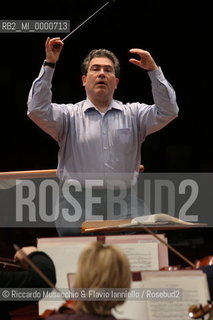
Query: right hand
[53, 54]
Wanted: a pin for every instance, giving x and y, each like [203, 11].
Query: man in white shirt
[99, 138]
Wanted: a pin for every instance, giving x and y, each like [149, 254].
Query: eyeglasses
[97, 68]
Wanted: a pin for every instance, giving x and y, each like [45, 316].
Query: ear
[83, 78]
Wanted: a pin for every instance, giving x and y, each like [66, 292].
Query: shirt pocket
[124, 140]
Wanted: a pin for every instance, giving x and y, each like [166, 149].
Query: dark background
[178, 35]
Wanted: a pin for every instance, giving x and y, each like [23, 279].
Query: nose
[101, 76]
[102, 71]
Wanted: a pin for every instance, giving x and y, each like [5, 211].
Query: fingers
[141, 53]
[138, 51]
[54, 43]
[145, 60]
[19, 255]
[135, 62]
[47, 41]
[53, 49]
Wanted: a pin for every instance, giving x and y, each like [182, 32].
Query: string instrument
[205, 261]
[65, 308]
[10, 264]
[196, 312]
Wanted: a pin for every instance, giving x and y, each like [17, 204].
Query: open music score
[158, 221]
[161, 295]
[183, 287]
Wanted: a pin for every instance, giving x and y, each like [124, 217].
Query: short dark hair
[100, 53]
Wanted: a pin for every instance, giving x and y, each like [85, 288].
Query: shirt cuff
[156, 75]
[46, 73]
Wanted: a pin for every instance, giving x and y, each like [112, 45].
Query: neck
[102, 109]
[101, 105]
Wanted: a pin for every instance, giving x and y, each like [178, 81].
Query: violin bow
[63, 308]
[36, 269]
[11, 263]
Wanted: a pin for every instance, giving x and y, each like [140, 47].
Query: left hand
[146, 61]
[20, 257]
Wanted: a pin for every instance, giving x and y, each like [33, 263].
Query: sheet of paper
[65, 253]
[194, 291]
[132, 309]
[142, 256]
[163, 259]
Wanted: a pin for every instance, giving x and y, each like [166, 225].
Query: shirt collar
[113, 105]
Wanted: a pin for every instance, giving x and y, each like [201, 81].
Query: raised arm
[154, 117]
[47, 115]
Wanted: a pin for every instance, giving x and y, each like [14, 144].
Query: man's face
[100, 80]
